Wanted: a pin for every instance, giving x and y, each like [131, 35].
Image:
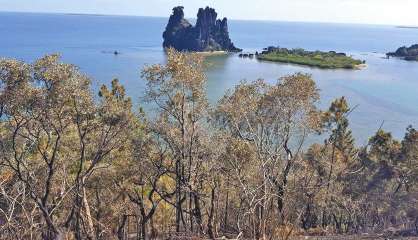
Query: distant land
[86, 14]
[413, 27]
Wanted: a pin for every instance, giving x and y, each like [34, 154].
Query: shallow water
[386, 91]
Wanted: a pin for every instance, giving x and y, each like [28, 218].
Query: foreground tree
[177, 92]
[77, 167]
[341, 153]
[267, 121]
[54, 137]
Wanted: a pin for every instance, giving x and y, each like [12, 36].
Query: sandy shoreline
[213, 53]
[360, 66]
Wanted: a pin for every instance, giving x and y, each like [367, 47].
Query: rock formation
[407, 53]
[209, 33]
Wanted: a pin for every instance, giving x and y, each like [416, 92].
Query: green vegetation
[327, 60]
[73, 166]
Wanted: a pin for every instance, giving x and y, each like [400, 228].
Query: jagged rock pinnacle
[209, 33]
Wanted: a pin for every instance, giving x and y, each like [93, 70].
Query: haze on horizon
[391, 12]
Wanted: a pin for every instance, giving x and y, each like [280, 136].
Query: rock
[407, 53]
[411, 58]
[209, 33]
[271, 48]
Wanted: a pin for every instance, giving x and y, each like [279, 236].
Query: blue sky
[395, 12]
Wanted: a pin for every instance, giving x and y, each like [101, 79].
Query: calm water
[386, 91]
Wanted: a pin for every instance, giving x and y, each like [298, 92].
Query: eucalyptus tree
[76, 166]
[54, 137]
[340, 152]
[389, 179]
[177, 92]
[270, 124]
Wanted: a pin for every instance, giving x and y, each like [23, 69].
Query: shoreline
[361, 66]
[207, 53]
[213, 53]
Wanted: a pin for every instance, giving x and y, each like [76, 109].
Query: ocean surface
[385, 92]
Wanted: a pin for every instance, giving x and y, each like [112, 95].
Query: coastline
[360, 66]
[212, 53]
[355, 67]
[207, 53]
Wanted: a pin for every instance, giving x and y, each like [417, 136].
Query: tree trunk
[197, 212]
[283, 184]
[52, 234]
[121, 228]
[210, 219]
[225, 223]
[143, 230]
[178, 195]
[90, 231]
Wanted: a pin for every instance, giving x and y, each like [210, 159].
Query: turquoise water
[387, 90]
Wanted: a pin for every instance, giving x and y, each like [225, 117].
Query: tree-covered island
[326, 60]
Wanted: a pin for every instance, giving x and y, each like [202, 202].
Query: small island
[210, 35]
[406, 53]
[326, 60]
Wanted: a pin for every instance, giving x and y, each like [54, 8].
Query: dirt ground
[352, 237]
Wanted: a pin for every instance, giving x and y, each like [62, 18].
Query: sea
[385, 94]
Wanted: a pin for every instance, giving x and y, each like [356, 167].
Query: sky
[392, 12]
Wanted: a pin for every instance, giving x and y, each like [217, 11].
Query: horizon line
[233, 19]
